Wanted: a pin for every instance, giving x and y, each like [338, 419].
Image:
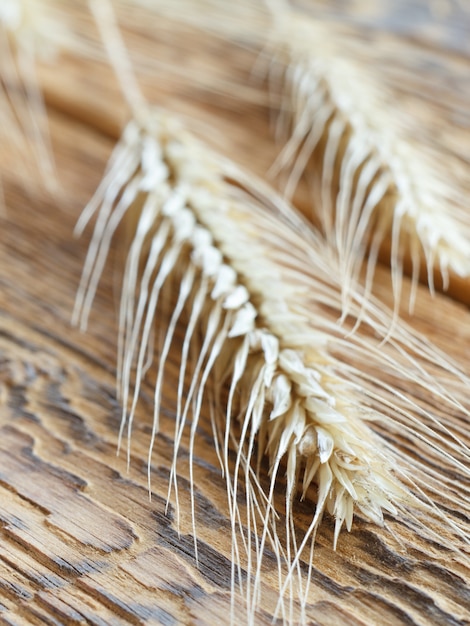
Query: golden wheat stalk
[251, 275]
[255, 280]
[380, 179]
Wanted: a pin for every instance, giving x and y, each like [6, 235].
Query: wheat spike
[380, 178]
[254, 278]
[265, 294]
[29, 30]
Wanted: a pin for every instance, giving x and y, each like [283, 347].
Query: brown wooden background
[80, 541]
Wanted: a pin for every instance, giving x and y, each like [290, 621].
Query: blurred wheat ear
[28, 32]
[365, 137]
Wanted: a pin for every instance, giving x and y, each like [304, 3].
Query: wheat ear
[379, 182]
[29, 30]
[259, 284]
[251, 275]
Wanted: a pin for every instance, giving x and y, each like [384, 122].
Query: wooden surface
[80, 540]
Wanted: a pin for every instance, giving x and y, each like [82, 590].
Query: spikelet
[255, 281]
[383, 181]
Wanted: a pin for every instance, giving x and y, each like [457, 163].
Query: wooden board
[80, 540]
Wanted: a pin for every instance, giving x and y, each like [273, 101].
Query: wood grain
[80, 540]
